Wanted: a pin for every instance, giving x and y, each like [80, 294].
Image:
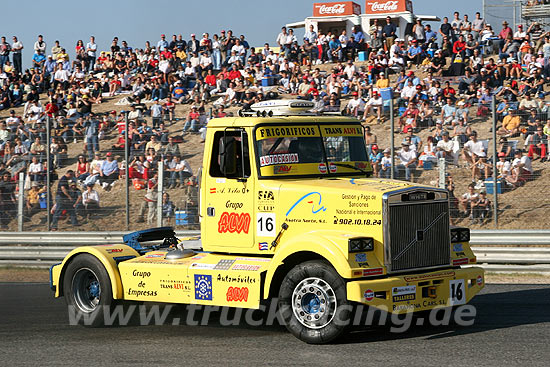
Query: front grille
[419, 235]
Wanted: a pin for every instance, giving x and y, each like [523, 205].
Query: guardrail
[43, 249]
[510, 237]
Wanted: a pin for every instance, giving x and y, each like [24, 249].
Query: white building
[337, 16]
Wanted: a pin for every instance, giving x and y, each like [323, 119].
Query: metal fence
[44, 187]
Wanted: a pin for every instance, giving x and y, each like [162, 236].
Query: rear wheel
[313, 302]
[87, 290]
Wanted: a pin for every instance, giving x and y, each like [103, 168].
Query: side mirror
[228, 156]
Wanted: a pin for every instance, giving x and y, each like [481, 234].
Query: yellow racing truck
[288, 212]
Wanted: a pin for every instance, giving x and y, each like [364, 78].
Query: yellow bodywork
[254, 227]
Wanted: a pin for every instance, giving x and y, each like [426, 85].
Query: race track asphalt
[512, 328]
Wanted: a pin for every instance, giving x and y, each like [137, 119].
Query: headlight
[459, 234]
[361, 244]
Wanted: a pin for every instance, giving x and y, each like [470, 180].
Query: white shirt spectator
[408, 91]
[375, 102]
[238, 49]
[406, 157]
[92, 195]
[526, 161]
[356, 103]
[446, 146]
[475, 147]
[350, 70]
[62, 75]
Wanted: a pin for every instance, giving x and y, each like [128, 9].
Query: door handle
[210, 211]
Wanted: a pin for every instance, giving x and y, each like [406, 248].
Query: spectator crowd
[442, 81]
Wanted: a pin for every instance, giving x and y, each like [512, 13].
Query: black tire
[305, 290]
[87, 290]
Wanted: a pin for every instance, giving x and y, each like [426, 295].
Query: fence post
[392, 142]
[20, 202]
[160, 188]
[495, 186]
[442, 172]
[126, 171]
[48, 173]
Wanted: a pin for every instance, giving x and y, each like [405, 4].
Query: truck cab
[289, 213]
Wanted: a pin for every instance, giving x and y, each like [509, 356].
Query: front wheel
[87, 290]
[313, 302]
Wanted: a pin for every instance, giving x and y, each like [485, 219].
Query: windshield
[311, 150]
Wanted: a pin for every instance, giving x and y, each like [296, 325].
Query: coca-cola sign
[336, 9]
[388, 6]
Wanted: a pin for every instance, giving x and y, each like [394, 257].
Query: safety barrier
[42, 249]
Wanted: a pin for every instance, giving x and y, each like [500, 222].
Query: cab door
[228, 192]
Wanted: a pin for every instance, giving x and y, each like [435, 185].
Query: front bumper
[418, 292]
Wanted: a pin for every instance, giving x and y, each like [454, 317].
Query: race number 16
[457, 292]
[265, 224]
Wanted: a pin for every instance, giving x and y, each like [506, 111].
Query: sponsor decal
[315, 208]
[246, 267]
[203, 266]
[154, 256]
[371, 272]
[220, 180]
[336, 9]
[198, 257]
[421, 277]
[237, 294]
[212, 190]
[231, 205]
[285, 131]
[266, 195]
[114, 250]
[332, 168]
[322, 168]
[234, 222]
[236, 279]
[260, 259]
[184, 286]
[479, 280]
[380, 6]
[362, 257]
[462, 261]
[141, 293]
[280, 170]
[269, 160]
[457, 247]
[305, 104]
[406, 293]
[361, 165]
[141, 274]
[224, 264]
[263, 246]
[203, 287]
[369, 295]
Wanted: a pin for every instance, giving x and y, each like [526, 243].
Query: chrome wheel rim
[314, 303]
[86, 290]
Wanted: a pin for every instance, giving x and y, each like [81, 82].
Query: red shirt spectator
[51, 109]
[210, 80]
[167, 54]
[234, 74]
[459, 46]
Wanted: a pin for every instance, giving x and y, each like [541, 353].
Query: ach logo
[234, 222]
[237, 294]
[265, 195]
[281, 169]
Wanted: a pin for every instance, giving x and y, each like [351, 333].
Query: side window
[230, 155]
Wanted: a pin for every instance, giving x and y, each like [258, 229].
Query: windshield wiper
[347, 165]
